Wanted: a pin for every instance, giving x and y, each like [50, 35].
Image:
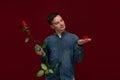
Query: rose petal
[85, 37]
[24, 24]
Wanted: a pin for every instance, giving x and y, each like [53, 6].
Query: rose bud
[24, 24]
[85, 37]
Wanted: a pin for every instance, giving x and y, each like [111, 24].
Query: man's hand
[83, 41]
[40, 52]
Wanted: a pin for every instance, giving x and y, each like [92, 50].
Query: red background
[18, 60]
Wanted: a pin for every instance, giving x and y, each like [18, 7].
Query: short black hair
[51, 16]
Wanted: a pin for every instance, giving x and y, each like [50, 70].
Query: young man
[62, 47]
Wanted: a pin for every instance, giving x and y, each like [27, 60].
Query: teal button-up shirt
[64, 50]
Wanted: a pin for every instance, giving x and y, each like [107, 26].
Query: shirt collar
[63, 33]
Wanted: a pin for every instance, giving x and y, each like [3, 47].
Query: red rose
[85, 37]
[24, 24]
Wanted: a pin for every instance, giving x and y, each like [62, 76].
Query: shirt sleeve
[78, 51]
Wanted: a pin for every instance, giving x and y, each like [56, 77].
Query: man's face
[58, 23]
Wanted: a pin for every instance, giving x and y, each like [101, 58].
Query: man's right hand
[40, 52]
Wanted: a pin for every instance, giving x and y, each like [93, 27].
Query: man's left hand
[83, 41]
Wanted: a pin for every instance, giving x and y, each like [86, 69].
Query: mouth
[62, 26]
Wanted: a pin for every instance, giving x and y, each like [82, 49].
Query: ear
[52, 26]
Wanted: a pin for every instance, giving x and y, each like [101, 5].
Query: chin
[62, 29]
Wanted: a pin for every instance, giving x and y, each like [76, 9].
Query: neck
[59, 32]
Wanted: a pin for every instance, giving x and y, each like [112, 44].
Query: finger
[89, 39]
[81, 40]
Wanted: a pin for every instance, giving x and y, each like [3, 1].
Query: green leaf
[44, 45]
[40, 73]
[47, 72]
[26, 40]
[26, 28]
[51, 71]
[37, 47]
[28, 32]
[44, 67]
[57, 65]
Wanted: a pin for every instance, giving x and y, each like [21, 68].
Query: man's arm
[78, 52]
[43, 52]
[78, 48]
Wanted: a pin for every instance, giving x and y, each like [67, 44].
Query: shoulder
[74, 36]
[49, 38]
